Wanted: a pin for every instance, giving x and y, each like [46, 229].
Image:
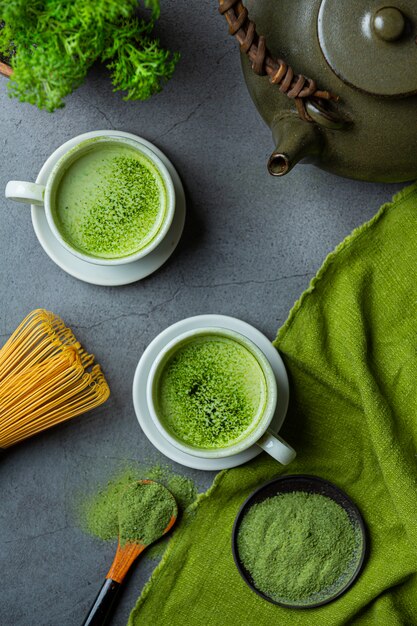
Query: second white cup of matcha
[212, 393]
[108, 200]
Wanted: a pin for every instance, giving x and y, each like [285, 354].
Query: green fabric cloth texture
[350, 348]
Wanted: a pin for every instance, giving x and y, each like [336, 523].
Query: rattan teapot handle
[295, 86]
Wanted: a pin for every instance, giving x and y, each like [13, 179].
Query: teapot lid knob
[371, 44]
[388, 23]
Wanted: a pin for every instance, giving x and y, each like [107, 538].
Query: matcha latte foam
[110, 201]
[211, 392]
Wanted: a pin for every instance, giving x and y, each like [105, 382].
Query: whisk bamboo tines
[46, 377]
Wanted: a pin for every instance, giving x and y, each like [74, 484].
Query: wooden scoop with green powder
[147, 511]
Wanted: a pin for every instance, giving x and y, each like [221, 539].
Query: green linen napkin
[350, 347]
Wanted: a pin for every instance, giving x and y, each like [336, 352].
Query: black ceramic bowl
[309, 484]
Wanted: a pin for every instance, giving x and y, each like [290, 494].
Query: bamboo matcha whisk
[46, 377]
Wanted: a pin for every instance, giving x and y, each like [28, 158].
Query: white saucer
[109, 275]
[150, 354]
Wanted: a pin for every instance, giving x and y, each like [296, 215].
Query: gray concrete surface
[250, 247]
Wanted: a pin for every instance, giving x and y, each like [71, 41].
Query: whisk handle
[102, 606]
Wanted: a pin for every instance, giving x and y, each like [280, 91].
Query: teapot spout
[295, 140]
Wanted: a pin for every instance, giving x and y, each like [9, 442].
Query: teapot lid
[370, 44]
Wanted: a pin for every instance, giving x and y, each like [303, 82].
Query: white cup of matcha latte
[108, 200]
[212, 393]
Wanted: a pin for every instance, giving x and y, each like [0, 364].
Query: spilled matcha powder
[299, 548]
[137, 511]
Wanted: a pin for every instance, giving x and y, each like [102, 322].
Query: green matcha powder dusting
[126, 212]
[210, 391]
[111, 202]
[298, 547]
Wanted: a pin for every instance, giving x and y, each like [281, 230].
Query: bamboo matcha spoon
[124, 558]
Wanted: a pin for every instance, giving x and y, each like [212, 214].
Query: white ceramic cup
[43, 195]
[259, 435]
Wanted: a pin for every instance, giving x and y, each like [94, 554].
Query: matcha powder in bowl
[299, 541]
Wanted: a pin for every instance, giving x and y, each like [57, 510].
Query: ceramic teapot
[357, 114]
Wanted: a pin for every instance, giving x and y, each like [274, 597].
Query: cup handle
[21, 191]
[277, 447]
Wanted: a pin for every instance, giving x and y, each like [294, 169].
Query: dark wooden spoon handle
[102, 606]
[124, 558]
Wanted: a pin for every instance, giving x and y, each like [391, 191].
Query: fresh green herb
[51, 44]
